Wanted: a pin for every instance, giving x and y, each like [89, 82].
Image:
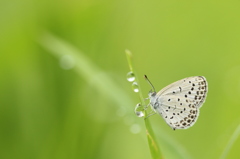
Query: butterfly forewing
[192, 88]
[181, 100]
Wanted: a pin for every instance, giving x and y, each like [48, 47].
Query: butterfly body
[179, 102]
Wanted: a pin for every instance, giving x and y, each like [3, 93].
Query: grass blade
[231, 141]
[87, 69]
[152, 142]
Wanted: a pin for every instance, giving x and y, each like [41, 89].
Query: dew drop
[139, 110]
[135, 129]
[139, 113]
[130, 76]
[135, 87]
[67, 62]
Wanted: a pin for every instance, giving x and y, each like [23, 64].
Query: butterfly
[179, 103]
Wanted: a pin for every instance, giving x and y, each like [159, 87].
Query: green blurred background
[62, 105]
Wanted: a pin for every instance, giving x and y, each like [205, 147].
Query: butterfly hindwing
[177, 112]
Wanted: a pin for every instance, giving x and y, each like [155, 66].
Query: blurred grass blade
[171, 148]
[86, 69]
[152, 142]
[154, 148]
[233, 138]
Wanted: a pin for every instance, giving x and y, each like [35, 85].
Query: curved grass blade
[152, 142]
[172, 149]
[86, 69]
[231, 141]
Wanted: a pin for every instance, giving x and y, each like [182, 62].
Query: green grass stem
[152, 142]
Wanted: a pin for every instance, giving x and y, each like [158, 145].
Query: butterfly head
[151, 93]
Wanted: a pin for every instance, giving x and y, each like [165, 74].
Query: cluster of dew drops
[131, 78]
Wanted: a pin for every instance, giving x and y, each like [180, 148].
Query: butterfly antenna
[146, 78]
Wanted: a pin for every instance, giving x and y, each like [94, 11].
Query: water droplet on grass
[130, 76]
[135, 129]
[139, 110]
[135, 87]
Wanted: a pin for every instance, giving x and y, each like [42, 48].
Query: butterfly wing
[193, 88]
[181, 100]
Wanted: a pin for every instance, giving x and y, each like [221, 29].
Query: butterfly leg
[146, 107]
[150, 114]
